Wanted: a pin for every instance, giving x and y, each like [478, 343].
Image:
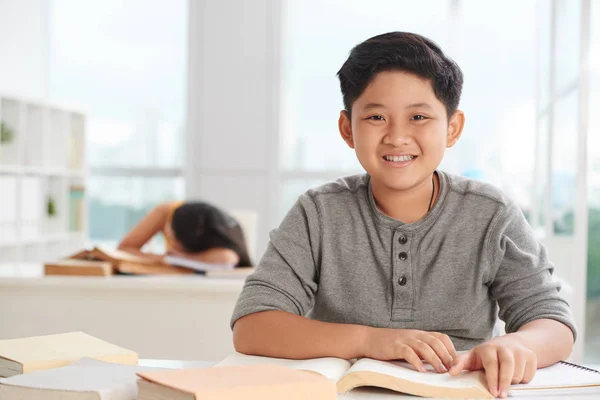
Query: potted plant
[6, 134]
[51, 207]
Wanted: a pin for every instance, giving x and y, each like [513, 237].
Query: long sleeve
[522, 282]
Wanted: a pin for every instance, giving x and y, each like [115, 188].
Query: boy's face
[399, 129]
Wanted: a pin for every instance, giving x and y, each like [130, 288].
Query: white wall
[24, 48]
[233, 78]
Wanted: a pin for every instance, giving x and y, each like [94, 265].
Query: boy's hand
[411, 345]
[505, 361]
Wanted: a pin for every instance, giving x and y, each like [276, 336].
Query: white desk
[182, 317]
[359, 393]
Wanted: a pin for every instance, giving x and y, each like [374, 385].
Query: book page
[330, 367]
[404, 370]
[196, 265]
[560, 375]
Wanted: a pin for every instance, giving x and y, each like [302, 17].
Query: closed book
[87, 379]
[19, 356]
[262, 382]
[78, 268]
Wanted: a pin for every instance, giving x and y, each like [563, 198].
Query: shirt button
[403, 256]
[402, 239]
[402, 281]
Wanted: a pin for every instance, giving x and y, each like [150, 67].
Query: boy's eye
[376, 118]
[418, 117]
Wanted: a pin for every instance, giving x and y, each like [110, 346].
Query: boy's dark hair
[200, 226]
[401, 51]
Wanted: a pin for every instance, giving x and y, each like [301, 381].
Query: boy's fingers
[530, 370]
[507, 369]
[519, 372]
[460, 363]
[428, 354]
[448, 343]
[489, 360]
[442, 352]
[413, 359]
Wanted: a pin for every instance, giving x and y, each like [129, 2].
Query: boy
[405, 262]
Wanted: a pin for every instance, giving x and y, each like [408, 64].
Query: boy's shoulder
[348, 184]
[466, 187]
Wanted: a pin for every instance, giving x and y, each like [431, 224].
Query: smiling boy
[405, 261]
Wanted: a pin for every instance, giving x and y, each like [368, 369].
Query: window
[125, 64]
[593, 146]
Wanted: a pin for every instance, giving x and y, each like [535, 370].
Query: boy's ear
[345, 127]
[455, 128]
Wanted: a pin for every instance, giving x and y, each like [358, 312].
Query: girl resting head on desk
[191, 229]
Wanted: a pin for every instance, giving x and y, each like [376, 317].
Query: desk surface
[359, 393]
[21, 274]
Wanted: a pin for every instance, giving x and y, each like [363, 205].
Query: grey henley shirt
[336, 258]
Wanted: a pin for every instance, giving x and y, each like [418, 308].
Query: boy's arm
[551, 341]
[538, 320]
[284, 335]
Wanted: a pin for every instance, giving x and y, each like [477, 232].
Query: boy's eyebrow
[369, 106]
[419, 105]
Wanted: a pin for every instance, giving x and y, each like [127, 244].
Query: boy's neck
[409, 205]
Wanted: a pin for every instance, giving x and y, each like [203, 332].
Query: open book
[562, 378]
[197, 265]
[394, 375]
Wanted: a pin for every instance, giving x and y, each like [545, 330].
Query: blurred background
[110, 107]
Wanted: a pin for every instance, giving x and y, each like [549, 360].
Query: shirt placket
[402, 278]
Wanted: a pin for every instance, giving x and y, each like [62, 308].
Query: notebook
[561, 378]
[254, 382]
[87, 379]
[18, 356]
[400, 376]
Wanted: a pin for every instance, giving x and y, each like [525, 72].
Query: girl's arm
[149, 226]
[213, 256]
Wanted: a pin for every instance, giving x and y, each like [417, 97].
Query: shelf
[43, 179]
[49, 238]
[41, 171]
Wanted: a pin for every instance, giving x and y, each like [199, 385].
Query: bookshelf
[42, 180]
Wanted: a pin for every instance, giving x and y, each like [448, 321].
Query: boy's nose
[397, 137]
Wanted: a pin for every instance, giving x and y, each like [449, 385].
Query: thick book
[19, 356]
[78, 268]
[400, 376]
[255, 382]
[86, 379]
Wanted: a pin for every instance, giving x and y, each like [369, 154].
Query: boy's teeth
[398, 158]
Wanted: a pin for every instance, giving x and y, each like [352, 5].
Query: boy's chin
[395, 184]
